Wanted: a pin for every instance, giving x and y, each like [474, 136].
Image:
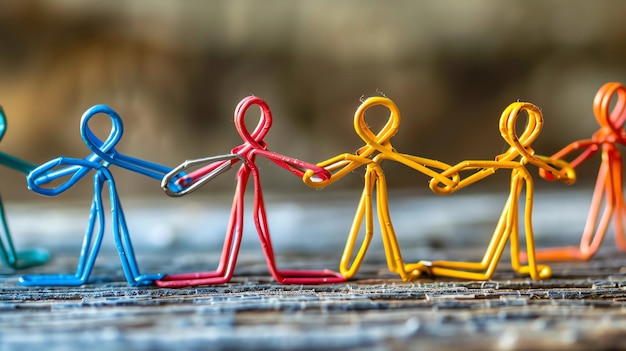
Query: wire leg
[620, 209]
[289, 276]
[88, 252]
[228, 258]
[506, 228]
[17, 259]
[124, 244]
[535, 270]
[395, 262]
[594, 231]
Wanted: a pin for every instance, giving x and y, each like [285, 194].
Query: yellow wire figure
[519, 154]
[377, 149]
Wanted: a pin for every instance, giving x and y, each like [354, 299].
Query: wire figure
[377, 148]
[246, 153]
[516, 158]
[608, 190]
[102, 157]
[8, 255]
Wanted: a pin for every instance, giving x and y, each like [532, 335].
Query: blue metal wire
[103, 155]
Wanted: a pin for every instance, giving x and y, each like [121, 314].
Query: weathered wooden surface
[582, 307]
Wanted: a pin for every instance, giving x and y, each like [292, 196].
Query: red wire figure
[608, 189]
[253, 146]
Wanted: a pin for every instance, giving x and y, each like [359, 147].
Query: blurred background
[175, 70]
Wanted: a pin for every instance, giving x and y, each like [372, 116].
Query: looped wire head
[382, 140]
[265, 121]
[105, 150]
[520, 145]
[611, 121]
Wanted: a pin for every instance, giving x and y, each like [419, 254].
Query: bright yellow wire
[376, 149]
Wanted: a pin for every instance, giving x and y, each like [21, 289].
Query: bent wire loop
[103, 155]
[246, 153]
[608, 191]
[519, 154]
[377, 148]
[8, 255]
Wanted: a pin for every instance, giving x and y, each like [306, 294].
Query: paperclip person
[516, 158]
[246, 153]
[608, 191]
[9, 256]
[377, 148]
[103, 155]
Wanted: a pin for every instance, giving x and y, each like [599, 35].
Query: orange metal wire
[608, 192]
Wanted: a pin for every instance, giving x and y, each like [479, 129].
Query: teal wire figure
[8, 255]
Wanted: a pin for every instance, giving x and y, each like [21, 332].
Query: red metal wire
[252, 147]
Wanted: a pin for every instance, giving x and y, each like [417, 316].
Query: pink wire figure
[247, 152]
[609, 188]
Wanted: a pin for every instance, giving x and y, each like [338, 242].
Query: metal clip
[173, 178]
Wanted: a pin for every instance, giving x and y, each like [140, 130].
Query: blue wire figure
[103, 155]
[8, 255]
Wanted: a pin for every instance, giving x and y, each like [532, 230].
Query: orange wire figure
[519, 154]
[608, 188]
[377, 149]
